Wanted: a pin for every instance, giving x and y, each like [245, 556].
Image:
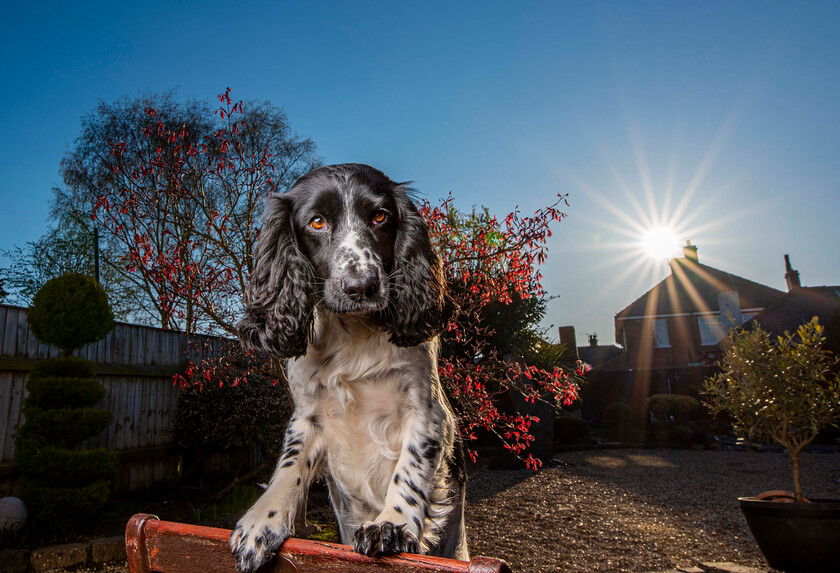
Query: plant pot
[796, 536]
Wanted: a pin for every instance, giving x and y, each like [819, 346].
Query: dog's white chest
[366, 436]
[359, 392]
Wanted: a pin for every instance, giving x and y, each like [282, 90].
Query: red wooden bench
[165, 546]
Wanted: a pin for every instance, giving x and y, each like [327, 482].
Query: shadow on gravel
[484, 480]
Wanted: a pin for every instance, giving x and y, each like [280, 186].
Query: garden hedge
[676, 408]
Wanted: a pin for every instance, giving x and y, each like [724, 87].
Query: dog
[347, 287]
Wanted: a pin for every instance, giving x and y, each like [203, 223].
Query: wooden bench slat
[163, 546]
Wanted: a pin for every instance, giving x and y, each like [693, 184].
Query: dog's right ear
[278, 298]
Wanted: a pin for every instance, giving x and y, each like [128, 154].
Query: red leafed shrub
[493, 345]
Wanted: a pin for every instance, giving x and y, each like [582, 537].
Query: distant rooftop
[797, 307]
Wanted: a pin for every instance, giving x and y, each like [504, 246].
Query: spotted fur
[370, 415]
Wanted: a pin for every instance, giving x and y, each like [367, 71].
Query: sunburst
[650, 219]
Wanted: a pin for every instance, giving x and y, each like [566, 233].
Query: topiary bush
[70, 311]
[66, 427]
[55, 392]
[673, 408]
[64, 505]
[65, 367]
[62, 484]
[76, 467]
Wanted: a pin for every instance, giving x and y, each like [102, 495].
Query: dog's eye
[317, 223]
[380, 217]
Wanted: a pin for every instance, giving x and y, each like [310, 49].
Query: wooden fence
[135, 365]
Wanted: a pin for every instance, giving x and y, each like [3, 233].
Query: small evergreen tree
[62, 484]
[782, 389]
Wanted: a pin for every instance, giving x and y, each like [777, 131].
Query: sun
[643, 215]
[660, 243]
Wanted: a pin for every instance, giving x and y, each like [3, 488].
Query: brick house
[670, 334]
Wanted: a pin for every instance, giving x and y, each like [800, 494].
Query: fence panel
[135, 365]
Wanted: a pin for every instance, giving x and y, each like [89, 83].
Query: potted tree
[784, 391]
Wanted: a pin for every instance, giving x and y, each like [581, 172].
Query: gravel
[627, 510]
[632, 510]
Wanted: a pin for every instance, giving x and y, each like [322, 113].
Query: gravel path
[627, 510]
[632, 510]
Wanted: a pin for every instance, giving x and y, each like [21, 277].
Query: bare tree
[177, 189]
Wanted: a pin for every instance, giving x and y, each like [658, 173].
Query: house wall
[684, 339]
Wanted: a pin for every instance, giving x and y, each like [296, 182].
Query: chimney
[593, 340]
[791, 276]
[567, 339]
[690, 252]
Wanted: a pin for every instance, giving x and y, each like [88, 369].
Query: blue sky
[718, 118]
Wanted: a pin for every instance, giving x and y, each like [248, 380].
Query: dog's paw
[384, 538]
[254, 541]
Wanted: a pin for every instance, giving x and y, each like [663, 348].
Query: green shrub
[255, 412]
[65, 504]
[617, 420]
[50, 393]
[60, 482]
[67, 428]
[569, 430]
[61, 485]
[681, 435]
[70, 311]
[64, 367]
[676, 408]
[77, 468]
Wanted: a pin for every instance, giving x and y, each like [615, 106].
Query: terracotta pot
[796, 536]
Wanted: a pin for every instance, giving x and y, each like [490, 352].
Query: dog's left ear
[418, 307]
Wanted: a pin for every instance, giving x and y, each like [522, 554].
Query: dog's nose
[358, 289]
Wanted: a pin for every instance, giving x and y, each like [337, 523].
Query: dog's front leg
[264, 528]
[399, 526]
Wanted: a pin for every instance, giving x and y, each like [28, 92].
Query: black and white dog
[346, 286]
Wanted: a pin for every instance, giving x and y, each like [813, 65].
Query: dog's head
[349, 238]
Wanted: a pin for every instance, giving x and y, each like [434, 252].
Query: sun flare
[660, 243]
[646, 214]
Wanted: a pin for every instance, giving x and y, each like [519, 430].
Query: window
[711, 330]
[660, 333]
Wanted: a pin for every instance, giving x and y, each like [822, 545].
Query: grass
[236, 502]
